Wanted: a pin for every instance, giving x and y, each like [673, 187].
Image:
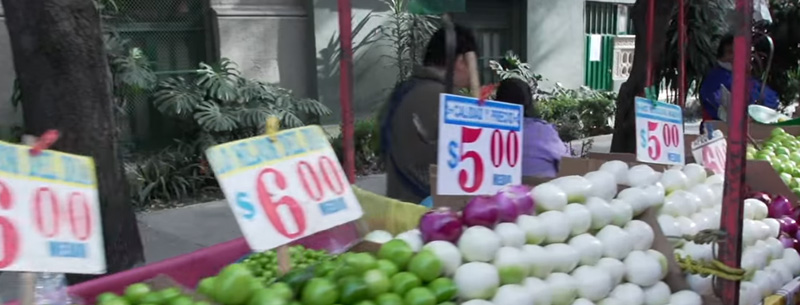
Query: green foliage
[367, 147]
[578, 114]
[706, 23]
[792, 90]
[224, 106]
[407, 35]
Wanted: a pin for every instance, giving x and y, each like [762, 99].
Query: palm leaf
[212, 118]
[177, 97]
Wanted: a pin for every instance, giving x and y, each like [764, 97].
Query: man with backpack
[410, 122]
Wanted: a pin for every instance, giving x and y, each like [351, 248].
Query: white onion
[637, 198]
[674, 180]
[582, 301]
[540, 262]
[642, 269]
[511, 235]
[669, 226]
[700, 252]
[589, 248]
[579, 217]
[695, 173]
[512, 295]
[641, 175]
[755, 209]
[413, 238]
[704, 192]
[686, 297]
[447, 253]
[774, 226]
[576, 187]
[604, 184]
[557, 226]
[512, 265]
[749, 294]
[535, 231]
[378, 236]
[623, 213]
[617, 168]
[565, 258]
[715, 179]
[764, 283]
[592, 283]
[792, 259]
[775, 247]
[601, 211]
[540, 291]
[479, 244]
[614, 267]
[750, 232]
[642, 234]
[617, 243]
[549, 197]
[476, 280]
[629, 294]
[687, 226]
[701, 285]
[702, 221]
[610, 301]
[657, 294]
[563, 288]
[655, 194]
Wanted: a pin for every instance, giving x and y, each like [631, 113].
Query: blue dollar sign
[454, 154]
[643, 133]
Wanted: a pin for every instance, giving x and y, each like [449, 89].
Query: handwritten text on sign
[480, 146]
[284, 189]
[659, 130]
[49, 213]
[711, 153]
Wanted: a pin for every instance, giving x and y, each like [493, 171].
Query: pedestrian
[542, 148]
[410, 121]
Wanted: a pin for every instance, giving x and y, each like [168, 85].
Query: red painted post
[682, 53]
[651, 15]
[735, 167]
[346, 88]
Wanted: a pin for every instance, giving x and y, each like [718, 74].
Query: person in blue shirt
[722, 75]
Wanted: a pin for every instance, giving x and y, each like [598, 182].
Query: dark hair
[435, 54]
[724, 44]
[515, 91]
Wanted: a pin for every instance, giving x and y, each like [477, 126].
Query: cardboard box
[757, 131]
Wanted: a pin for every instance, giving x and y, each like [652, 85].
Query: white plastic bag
[761, 11]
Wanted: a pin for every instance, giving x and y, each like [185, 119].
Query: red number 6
[9, 237]
[271, 208]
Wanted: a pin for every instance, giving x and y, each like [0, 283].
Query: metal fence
[173, 35]
[601, 26]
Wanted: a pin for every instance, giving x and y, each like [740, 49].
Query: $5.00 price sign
[480, 146]
[659, 129]
[711, 153]
[49, 213]
[285, 188]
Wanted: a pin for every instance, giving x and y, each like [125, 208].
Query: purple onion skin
[441, 224]
[780, 206]
[788, 225]
[481, 211]
[520, 195]
[507, 208]
[787, 241]
[764, 197]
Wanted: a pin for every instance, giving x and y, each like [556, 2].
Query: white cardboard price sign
[49, 213]
[659, 128]
[480, 146]
[285, 188]
[711, 153]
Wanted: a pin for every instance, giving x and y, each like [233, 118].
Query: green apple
[786, 178]
[763, 156]
[778, 131]
[795, 183]
[796, 191]
[749, 155]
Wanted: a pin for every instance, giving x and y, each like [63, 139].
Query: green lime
[447, 303]
[202, 303]
[206, 286]
[234, 288]
[426, 266]
[387, 267]
[362, 262]
[319, 291]
[234, 270]
[419, 296]
[169, 293]
[106, 296]
[377, 282]
[404, 281]
[443, 288]
[267, 297]
[283, 290]
[116, 301]
[352, 290]
[152, 298]
[365, 302]
[396, 251]
[389, 299]
[182, 300]
[135, 292]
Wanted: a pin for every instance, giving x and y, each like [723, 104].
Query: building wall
[555, 41]
[8, 115]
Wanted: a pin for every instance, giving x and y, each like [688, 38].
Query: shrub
[367, 147]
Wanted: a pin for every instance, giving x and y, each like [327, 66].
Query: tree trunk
[624, 139]
[61, 65]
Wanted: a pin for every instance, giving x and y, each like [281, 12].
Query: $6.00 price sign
[285, 188]
[49, 213]
[480, 146]
[659, 129]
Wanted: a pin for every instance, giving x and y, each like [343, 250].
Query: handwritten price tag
[660, 132]
[284, 189]
[711, 153]
[480, 146]
[49, 213]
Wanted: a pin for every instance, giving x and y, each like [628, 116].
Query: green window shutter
[436, 7]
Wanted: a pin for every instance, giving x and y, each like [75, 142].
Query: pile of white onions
[583, 247]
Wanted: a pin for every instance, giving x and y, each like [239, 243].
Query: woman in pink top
[542, 148]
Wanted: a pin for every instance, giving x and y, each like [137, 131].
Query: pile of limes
[264, 265]
[143, 294]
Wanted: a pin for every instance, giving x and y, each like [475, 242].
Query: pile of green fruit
[264, 265]
[143, 294]
[397, 276]
[782, 151]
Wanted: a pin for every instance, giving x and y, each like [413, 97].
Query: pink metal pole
[682, 53]
[735, 167]
[346, 88]
[651, 15]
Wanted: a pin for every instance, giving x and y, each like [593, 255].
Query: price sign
[480, 146]
[284, 188]
[49, 213]
[659, 129]
[711, 153]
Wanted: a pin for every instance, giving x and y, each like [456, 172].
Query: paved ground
[169, 233]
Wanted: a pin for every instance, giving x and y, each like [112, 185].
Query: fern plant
[226, 106]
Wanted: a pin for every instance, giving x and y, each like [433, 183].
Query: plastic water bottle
[51, 289]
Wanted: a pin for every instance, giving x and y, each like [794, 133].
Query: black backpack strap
[395, 100]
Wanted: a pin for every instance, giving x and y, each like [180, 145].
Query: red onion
[780, 206]
[764, 197]
[520, 195]
[481, 211]
[788, 225]
[440, 224]
[787, 241]
[508, 209]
